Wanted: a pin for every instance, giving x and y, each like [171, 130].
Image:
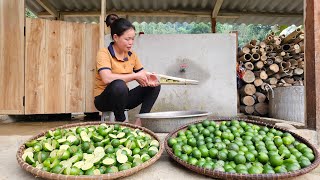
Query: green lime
[196, 153]
[115, 142]
[205, 123]
[186, 149]
[85, 146]
[263, 157]
[287, 140]
[233, 146]
[58, 169]
[37, 147]
[280, 169]
[192, 142]
[304, 162]
[192, 161]
[124, 166]
[213, 153]
[31, 143]
[184, 157]
[309, 155]
[239, 159]
[276, 160]
[250, 157]
[116, 127]
[222, 155]
[255, 170]
[292, 167]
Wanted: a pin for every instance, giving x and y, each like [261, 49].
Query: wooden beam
[213, 25]
[312, 70]
[170, 13]
[102, 23]
[47, 6]
[216, 8]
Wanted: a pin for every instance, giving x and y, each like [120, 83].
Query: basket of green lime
[91, 150]
[241, 149]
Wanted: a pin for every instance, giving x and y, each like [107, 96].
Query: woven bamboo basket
[47, 175]
[227, 175]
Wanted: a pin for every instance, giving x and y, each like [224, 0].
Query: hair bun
[111, 18]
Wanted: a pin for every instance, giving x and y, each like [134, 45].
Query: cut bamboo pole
[273, 68]
[248, 89]
[278, 59]
[260, 97]
[262, 74]
[258, 65]
[257, 82]
[248, 76]
[255, 57]
[263, 44]
[247, 109]
[298, 71]
[251, 44]
[277, 76]
[286, 47]
[261, 108]
[293, 63]
[291, 35]
[299, 39]
[288, 80]
[244, 50]
[272, 81]
[269, 62]
[249, 65]
[284, 66]
[300, 63]
[248, 100]
[245, 58]
[263, 57]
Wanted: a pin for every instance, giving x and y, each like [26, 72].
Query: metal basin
[170, 120]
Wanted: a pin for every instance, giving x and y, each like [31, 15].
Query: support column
[213, 25]
[312, 68]
[102, 23]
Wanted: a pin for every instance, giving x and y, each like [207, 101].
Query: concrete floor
[15, 131]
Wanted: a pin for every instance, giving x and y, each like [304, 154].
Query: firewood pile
[275, 61]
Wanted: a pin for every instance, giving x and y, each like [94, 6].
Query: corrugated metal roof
[232, 11]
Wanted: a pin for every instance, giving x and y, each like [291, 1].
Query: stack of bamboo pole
[275, 61]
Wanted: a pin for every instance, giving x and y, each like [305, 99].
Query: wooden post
[102, 23]
[213, 25]
[312, 70]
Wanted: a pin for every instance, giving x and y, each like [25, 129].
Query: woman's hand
[152, 80]
[142, 78]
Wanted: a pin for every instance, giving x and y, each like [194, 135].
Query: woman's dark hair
[110, 19]
[119, 26]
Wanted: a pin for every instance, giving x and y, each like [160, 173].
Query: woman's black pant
[116, 97]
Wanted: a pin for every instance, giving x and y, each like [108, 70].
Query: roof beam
[170, 13]
[216, 8]
[48, 6]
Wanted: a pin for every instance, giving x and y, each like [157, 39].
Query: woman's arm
[141, 76]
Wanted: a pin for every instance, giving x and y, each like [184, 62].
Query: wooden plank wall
[75, 67]
[61, 65]
[92, 37]
[11, 56]
[35, 66]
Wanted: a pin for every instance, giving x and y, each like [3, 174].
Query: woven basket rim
[48, 175]
[227, 175]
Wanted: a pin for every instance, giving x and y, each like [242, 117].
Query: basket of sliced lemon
[91, 150]
[241, 149]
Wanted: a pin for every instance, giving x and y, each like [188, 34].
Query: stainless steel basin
[170, 120]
